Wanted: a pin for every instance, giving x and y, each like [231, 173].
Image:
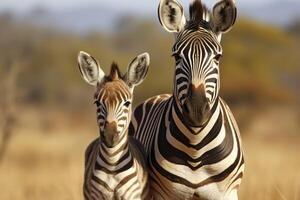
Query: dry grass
[47, 163]
[43, 167]
[272, 170]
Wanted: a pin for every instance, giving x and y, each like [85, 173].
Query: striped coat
[189, 163]
[191, 138]
[115, 166]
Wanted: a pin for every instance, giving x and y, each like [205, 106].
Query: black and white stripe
[115, 166]
[191, 137]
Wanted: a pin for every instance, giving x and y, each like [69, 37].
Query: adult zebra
[191, 137]
[115, 167]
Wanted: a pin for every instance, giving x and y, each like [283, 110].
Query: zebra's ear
[171, 15]
[224, 16]
[137, 70]
[90, 69]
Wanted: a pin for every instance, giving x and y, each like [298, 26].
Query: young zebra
[191, 137]
[114, 164]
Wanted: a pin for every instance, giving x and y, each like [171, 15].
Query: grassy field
[46, 162]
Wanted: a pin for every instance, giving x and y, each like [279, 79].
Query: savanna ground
[45, 156]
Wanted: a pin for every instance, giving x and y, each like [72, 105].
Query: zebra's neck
[116, 156]
[194, 134]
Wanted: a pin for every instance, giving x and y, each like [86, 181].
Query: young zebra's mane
[115, 73]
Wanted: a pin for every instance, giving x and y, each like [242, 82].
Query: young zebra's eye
[97, 103]
[127, 104]
[176, 56]
[218, 57]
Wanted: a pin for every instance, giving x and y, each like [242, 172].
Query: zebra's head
[197, 51]
[114, 94]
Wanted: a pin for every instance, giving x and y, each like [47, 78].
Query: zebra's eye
[218, 57]
[176, 56]
[127, 104]
[97, 103]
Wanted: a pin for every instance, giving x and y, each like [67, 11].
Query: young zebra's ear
[90, 69]
[171, 15]
[224, 16]
[137, 70]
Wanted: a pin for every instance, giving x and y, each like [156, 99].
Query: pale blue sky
[122, 4]
[71, 12]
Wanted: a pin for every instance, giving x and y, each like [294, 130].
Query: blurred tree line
[260, 63]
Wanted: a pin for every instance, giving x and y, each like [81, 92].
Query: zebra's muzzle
[111, 136]
[196, 110]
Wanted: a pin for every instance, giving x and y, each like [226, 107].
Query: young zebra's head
[113, 95]
[197, 51]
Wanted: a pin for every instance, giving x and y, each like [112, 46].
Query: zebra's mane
[115, 73]
[199, 14]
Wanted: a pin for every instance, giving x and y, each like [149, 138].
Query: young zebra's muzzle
[196, 110]
[111, 136]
